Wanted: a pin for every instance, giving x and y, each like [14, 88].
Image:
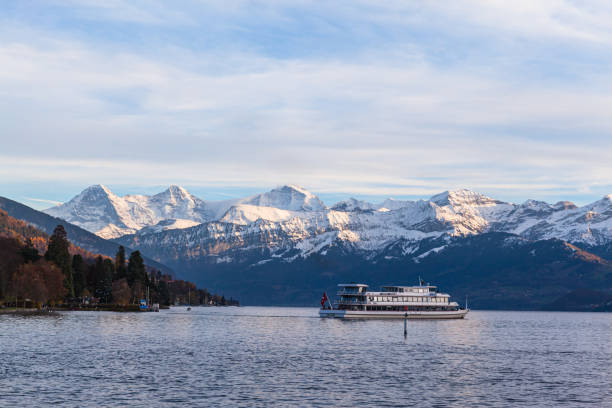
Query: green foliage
[120, 267]
[136, 270]
[103, 279]
[58, 253]
[78, 274]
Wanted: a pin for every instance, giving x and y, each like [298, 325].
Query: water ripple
[258, 357]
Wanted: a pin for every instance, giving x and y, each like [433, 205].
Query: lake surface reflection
[266, 356]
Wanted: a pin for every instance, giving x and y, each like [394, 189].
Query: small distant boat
[189, 300]
[393, 302]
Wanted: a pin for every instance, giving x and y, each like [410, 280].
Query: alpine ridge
[288, 234]
[308, 223]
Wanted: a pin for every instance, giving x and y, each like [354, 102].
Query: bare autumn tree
[10, 259]
[54, 281]
[40, 282]
[121, 292]
[29, 285]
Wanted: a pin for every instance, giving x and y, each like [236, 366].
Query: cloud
[362, 97]
[43, 201]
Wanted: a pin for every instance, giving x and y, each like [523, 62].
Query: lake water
[265, 356]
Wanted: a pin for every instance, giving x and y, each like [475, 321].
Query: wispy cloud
[42, 201]
[362, 97]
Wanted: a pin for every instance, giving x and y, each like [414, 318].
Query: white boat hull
[363, 314]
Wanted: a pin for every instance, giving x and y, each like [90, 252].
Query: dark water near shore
[268, 356]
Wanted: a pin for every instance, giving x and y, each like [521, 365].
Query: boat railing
[343, 292]
[351, 302]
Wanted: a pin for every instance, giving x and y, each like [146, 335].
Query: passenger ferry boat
[393, 302]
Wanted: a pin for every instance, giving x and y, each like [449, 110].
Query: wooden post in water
[405, 325]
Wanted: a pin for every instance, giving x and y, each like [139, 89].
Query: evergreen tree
[120, 268]
[58, 253]
[78, 274]
[164, 293]
[103, 279]
[136, 270]
[107, 283]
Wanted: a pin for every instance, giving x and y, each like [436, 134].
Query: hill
[78, 236]
[496, 270]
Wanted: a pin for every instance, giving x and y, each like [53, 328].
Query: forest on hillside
[37, 269]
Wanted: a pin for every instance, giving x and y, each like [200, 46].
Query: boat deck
[363, 314]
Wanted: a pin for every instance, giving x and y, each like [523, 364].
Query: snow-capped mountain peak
[288, 197]
[462, 197]
[300, 216]
[178, 192]
[352, 204]
[95, 208]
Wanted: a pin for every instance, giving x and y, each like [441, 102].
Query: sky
[358, 98]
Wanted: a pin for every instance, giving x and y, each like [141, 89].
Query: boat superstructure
[413, 302]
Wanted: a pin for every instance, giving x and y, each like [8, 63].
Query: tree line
[57, 277]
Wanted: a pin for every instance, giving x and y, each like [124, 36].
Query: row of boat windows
[398, 308]
[405, 308]
[413, 290]
[406, 299]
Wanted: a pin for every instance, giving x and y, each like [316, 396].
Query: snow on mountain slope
[99, 210]
[591, 224]
[292, 198]
[96, 208]
[352, 204]
[168, 224]
[251, 233]
[244, 214]
[291, 217]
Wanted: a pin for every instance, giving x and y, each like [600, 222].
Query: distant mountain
[287, 228]
[292, 208]
[78, 236]
[99, 210]
[496, 270]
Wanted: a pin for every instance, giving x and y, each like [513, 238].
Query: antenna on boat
[466, 302]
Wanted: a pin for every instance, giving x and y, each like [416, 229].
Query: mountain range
[296, 215]
[287, 243]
